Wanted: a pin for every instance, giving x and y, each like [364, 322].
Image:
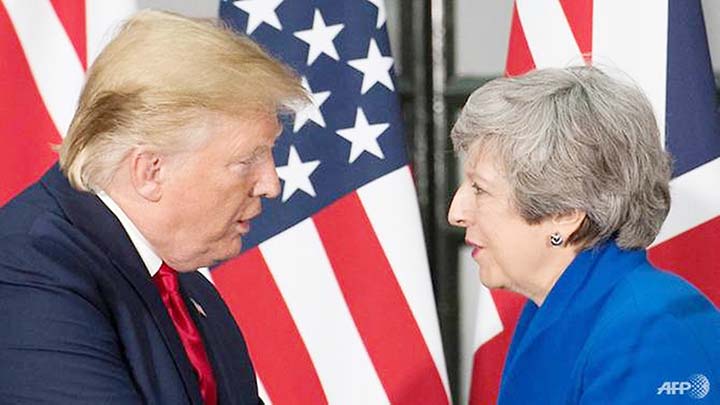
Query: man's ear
[146, 173]
[568, 222]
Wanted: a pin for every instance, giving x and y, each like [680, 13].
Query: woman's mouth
[475, 247]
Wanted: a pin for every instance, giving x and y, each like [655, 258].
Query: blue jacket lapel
[589, 277]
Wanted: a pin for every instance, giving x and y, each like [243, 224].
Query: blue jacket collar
[589, 277]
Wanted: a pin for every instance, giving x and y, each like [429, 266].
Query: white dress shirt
[147, 254]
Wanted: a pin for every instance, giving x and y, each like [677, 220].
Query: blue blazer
[81, 320]
[614, 330]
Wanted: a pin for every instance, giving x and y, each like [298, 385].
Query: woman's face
[510, 252]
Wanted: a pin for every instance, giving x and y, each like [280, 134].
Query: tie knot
[166, 279]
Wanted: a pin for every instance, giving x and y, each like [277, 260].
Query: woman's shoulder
[648, 291]
[657, 304]
[654, 327]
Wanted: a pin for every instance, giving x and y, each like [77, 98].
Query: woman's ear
[569, 222]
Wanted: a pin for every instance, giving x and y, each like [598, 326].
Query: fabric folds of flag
[669, 59]
[333, 290]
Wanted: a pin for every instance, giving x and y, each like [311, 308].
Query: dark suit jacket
[614, 330]
[81, 321]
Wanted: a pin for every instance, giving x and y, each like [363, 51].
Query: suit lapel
[210, 342]
[224, 343]
[93, 218]
[204, 314]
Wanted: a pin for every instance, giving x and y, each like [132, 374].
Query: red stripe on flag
[25, 126]
[694, 255]
[276, 348]
[72, 17]
[519, 58]
[579, 15]
[378, 306]
[489, 359]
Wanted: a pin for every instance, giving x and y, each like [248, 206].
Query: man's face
[209, 195]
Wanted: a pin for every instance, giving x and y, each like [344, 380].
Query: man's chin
[231, 252]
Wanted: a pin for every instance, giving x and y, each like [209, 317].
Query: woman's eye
[477, 189]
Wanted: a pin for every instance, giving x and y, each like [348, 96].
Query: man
[164, 166]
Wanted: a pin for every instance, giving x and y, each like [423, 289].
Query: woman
[565, 185]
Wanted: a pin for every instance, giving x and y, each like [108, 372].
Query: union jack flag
[333, 290]
[667, 55]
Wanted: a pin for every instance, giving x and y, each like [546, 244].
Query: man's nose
[268, 185]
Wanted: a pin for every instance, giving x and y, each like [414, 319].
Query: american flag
[333, 290]
[662, 46]
[45, 48]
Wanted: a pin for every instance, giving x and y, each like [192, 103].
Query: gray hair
[574, 139]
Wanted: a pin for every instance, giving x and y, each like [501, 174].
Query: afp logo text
[697, 386]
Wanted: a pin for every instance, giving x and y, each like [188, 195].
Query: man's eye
[252, 159]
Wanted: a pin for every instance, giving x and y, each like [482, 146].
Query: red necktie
[166, 281]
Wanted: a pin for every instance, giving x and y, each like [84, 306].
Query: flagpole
[443, 257]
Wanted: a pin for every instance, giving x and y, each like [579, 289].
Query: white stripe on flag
[695, 198]
[298, 262]
[398, 228]
[262, 393]
[55, 66]
[479, 317]
[632, 36]
[103, 19]
[489, 323]
[548, 33]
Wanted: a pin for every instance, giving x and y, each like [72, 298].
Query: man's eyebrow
[255, 152]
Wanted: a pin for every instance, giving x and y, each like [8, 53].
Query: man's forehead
[265, 122]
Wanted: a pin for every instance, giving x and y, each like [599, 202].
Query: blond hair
[161, 73]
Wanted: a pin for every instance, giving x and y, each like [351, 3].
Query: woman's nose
[456, 211]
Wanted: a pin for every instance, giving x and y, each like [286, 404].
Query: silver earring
[556, 239]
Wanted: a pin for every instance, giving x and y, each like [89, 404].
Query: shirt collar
[151, 260]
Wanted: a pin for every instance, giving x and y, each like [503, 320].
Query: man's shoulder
[33, 222]
[20, 214]
[38, 242]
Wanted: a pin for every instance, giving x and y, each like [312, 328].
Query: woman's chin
[490, 278]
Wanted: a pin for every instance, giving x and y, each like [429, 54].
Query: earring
[556, 240]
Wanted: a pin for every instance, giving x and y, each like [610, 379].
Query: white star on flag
[363, 137]
[381, 16]
[375, 68]
[260, 11]
[320, 38]
[297, 175]
[311, 111]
